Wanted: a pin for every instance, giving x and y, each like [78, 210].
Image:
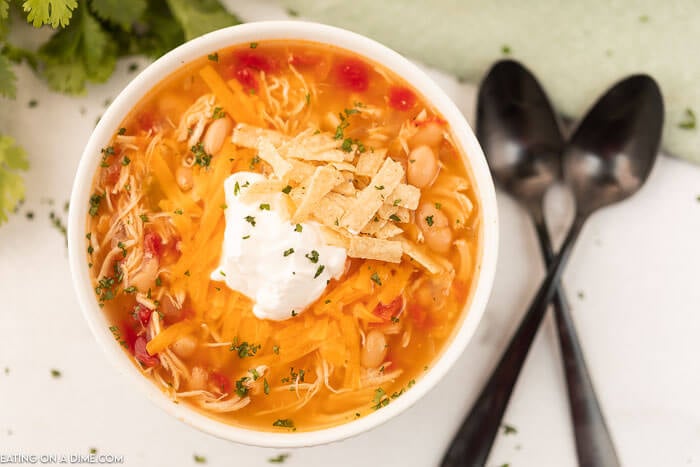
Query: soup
[283, 235]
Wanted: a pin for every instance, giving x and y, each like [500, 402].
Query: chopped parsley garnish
[327, 301]
[689, 122]
[255, 374]
[213, 57]
[241, 389]
[201, 157]
[250, 220]
[308, 98]
[245, 237]
[126, 161]
[122, 247]
[379, 187]
[294, 313]
[105, 288]
[131, 289]
[122, 131]
[188, 273]
[288, 252]
[319, 271]
[509, 429]
[298, 228]
[200, 459]
[380, 399]
[178, 212]
[313, 256]
[94, 204]
[279, 459]
[395, 218]
[236, 189]
[429, 221]
[55, 373]
[505, 50]
[253, 45]
[254, 161]
[266, 386]
[218, 113]
[375, 278]
[159, 281]
[286, 189]
[395, 320]
[116, 332]
[244, 349]
[397, 201]
[144, 217]
[276, 349]
[284, 423]
[264, 207]
[438, 206]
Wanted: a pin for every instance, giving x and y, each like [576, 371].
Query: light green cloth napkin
[576, 48]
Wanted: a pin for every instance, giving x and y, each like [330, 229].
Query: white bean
[422, 167]
[429, 134]
[185, 346]
[375, 349]
[183, 176]
[435, 227]
[216, 135]
[146, 275]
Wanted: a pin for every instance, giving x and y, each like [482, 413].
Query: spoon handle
[594, 446]
[471, 445]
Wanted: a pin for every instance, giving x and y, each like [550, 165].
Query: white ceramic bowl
[251, 32]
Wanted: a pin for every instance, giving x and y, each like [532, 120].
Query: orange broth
[156, 226]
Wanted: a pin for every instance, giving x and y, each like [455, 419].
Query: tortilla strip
[335, 238]
[390, 212]
[246, 136]
[344, 166]
[298, 150]
[406, 196]
[369, 162]
[374, 226]
[374, 248]
[300, 171]
[268, 153]
[321, 183]
[331, 208]
[389, 230]
[420, 256]
[371, 198]
[261, 189]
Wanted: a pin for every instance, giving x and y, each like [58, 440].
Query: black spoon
[521, 137]
[608, 158]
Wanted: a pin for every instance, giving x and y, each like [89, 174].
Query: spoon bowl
[520, 132]
[613, 149]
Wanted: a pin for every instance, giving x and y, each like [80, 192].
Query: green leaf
[12, 159]
[53, 12]
[155, 33]
[80, 53]
[7, 78]
[4, 7]
[121, 12]
[201, 17]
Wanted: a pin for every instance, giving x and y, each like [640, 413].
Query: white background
[633, 281]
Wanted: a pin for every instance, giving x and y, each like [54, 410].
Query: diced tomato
[419, 315]
[302, 60]
[220, 381]
[153, 244]
[142, 314]
[256, 61]
[128, 334]
[110, 174]
[401, 98]
[247, 78]
[352, 74]
[146, 120]
[386, 312]
[142, 355]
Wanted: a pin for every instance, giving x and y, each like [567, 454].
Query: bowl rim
[285, 30]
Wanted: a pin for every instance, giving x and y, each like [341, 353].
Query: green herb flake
[236, 189]
[178, 211]
[509, 429]
[245, 237]
[276, 349]
[159, 281]
[241, 388]
[201, 158]
[287, 189]
[95, 200]
[253, 45]
[505, 50]
[292, 13]
[218, 113]
[188, 273]
[244, 349]
[689, 122]
[288, 252]
[278, 459]
[298, 228]
[213, 57]
[266, 387]
[429, 220]
[199, 459]
[312, 256]
[438, 206]
[126, 161]
[250, 220]
[319, 271]
[395, 218]
[144, 218]
[397, 201]
[55, 373]
[254, 161]
[379, 187]
[93, 451]
[284, 423]
[375, 278]
[264, 207]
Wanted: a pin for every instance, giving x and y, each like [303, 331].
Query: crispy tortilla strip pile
[360, 197]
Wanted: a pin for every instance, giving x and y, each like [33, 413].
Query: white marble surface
[635, 266]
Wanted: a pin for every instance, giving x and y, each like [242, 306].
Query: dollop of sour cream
[282, 267]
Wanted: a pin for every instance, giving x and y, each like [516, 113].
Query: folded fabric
[577, 49]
